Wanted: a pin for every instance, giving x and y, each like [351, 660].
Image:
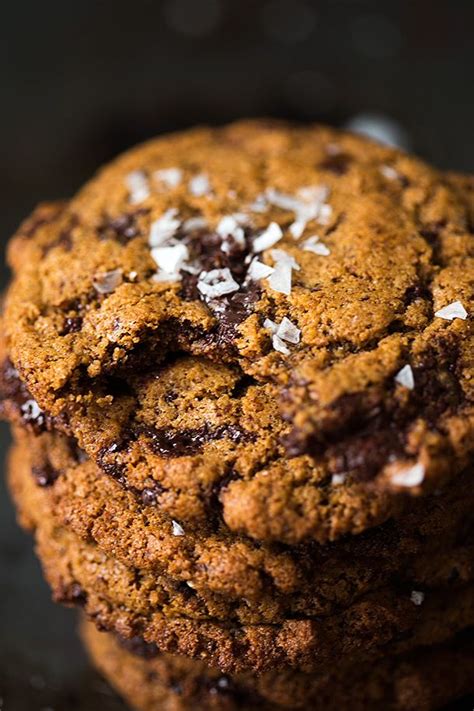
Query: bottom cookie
[424, 680]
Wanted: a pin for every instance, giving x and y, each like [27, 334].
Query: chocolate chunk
[225, 686]
[150, 494]
[176, 687]
[221, 685]
[64, 239]
[40, 217]
[123, 228]
[181, 443]
[107, 461]
[14, 392]
[337, 164]
[206, 248]
[189, 290]
[236, 309]
[359, 433]
[72, 594]
[207, 251]
[138, 646]
[45, 475]
[78, 454]
[72, 324]
[11, 387]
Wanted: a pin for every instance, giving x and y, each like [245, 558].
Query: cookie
[265, 322]
[426, 679]
[241, 581]
[190, 487]
[132, 602]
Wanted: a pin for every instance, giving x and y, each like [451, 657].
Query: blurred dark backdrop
[83, 80]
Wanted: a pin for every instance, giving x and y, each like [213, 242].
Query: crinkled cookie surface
[267, 321]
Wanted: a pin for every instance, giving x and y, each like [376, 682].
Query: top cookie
[318, 282]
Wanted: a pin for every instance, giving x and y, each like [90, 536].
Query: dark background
[83, 80]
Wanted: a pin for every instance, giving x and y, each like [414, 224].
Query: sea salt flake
[191, 269]
[279, 255]
[313, 244]
[287, 331]
[137, 184]
[268, 238]
[279, 345]
[307, 206]
[412, 476]
[241, 218]
[229, 227]
[199, 185]
[162, 276]
[297, 228]
[216, 283]
[417, 597]
[270, 325]
[338, 479]
[177, 529]
[282, 200]
[257, 270]
[389, 172]
[226, 226]
[260, 204]
[308, 198]
[163, 229]
[107, 283]
[280, 279]
[314, 194]
[132, 276]
[195, 223]
[452, 311]
[282, 333]
[405, 377]
[170, 177]
[325, 214]
[170, 259]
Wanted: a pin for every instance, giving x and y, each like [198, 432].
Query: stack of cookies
[239, 367]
